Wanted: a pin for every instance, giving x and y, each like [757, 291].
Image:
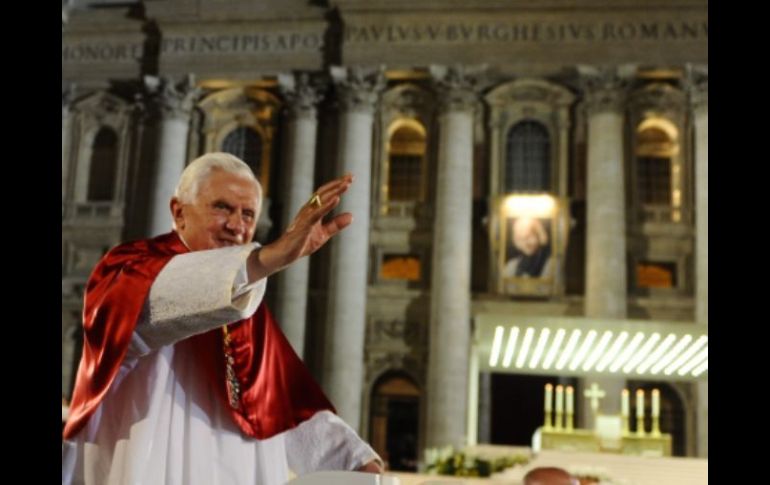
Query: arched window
[528, 158]
[246, 144]
[104, 161]
[657, 167]
[406, 162]
[394, 420]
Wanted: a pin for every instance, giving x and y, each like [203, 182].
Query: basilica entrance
[395, 418]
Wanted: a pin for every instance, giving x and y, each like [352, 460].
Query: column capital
[457, 86]
[302, 94]
[175, 99]
[696, 82]
[358, 88]
[68, 93]
[65, 16]
[604, 87]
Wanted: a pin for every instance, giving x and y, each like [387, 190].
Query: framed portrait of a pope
[530, 245]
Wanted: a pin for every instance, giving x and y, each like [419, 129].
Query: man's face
[224, 212]
[525, 236]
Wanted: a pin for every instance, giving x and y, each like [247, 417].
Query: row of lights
[643, 353]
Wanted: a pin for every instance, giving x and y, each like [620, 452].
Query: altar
[611, 433]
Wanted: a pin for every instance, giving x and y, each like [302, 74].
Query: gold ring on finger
[315, 201]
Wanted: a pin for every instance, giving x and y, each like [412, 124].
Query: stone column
[67, 97]
[175, 103]
[606, 287]
[450, 276]
[698, 84]
[301, 126]
[343, 368]
[485, 408]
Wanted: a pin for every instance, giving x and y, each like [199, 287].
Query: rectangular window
[405, 176]
[656, 274]
[654, 180]
[406, 267]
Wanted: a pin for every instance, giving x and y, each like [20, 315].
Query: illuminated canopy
[580, 347]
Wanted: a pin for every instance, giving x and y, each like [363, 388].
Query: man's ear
[177, 213]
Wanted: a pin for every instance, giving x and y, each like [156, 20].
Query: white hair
[199, 169]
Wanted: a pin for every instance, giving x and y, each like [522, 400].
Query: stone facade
[330, 88]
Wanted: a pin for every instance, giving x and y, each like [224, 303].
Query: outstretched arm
[306, 234]
[214, 291]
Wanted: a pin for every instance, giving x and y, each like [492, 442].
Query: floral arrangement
[447, 461]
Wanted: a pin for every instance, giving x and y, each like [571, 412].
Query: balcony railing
[410, 208]
[664, 214]
[92, 210]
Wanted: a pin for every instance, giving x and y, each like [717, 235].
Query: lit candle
[624, 403]
[639, 403]
[655, 403]
[559, 399]
[570, 400]
[548, 397]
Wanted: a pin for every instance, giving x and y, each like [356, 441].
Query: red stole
[277, 391]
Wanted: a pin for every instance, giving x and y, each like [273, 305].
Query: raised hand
[307, 232]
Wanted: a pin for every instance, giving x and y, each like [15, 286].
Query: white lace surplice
[160, 422]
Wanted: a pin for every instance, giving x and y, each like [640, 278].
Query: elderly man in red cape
[185, 377]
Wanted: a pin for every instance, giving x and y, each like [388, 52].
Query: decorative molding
[226, 110]
[532, 91]
[103, 109]
[408, 101]
[380, 363]
[358, 88]
[383, 331]
[660, 98]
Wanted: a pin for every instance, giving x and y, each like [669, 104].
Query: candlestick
[559, 406]
[656, 412]
[548, 397]
[624, 407]
[640, 412]
[570, 408]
